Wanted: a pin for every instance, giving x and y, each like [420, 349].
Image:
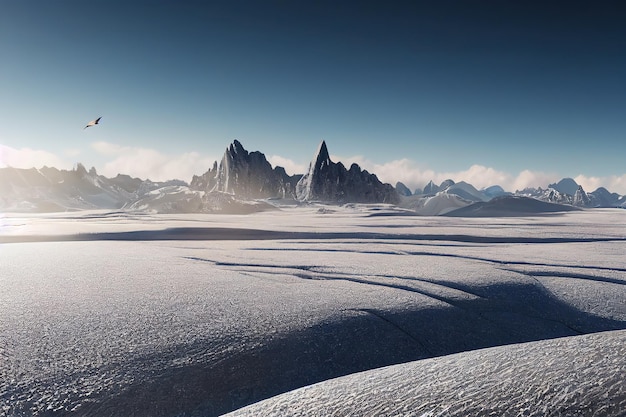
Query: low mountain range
[245, 182]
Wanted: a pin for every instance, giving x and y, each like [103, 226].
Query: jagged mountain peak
[80, 169]
[403, 189]
[322, 157]
[581, 199]
[332, 182]
[431, 188]
[246, 174]
[237, 148]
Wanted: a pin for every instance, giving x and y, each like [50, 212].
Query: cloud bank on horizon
[146, 163]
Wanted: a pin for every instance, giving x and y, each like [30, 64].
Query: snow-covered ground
[573, 376]
[115, 313]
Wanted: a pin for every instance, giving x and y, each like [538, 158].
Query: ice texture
[114, 313]
[573, 376]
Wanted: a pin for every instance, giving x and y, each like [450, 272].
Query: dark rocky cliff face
[581, 198]
[248, 175]
[332, 182]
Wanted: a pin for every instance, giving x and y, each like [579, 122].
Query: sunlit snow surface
[574, 376]
[179, 315]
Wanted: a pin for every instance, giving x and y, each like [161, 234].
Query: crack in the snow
[446, 255]
[480, 311]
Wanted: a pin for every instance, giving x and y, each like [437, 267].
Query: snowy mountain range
[49, 189]
[245, 182]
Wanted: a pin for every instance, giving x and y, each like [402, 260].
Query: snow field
[201, 326]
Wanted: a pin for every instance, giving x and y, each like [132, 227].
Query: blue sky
[514, 93]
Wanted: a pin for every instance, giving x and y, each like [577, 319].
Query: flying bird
[92, 123]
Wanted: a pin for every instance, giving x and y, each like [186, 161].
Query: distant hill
[507, 206]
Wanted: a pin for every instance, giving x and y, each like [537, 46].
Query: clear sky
[514, 93]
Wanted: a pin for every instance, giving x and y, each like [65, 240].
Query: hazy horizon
[475, 175]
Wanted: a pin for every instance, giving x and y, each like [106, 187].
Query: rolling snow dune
[574, 376]
[114, 313]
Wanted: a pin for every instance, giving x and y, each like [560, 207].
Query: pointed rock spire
[581, 199]
[322, 157]
[431, 188]
[332, 182]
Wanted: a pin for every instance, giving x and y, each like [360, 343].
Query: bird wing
[92, 123]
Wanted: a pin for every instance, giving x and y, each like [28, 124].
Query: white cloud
[481, 177]
[72, 153]
[413, 176]
[290, 166]
[30, 158]
[151, 164]
[613, 183]
[107, 148]
[527, 178]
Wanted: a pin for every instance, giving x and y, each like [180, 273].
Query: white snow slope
[114, 313]
[573, 376]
